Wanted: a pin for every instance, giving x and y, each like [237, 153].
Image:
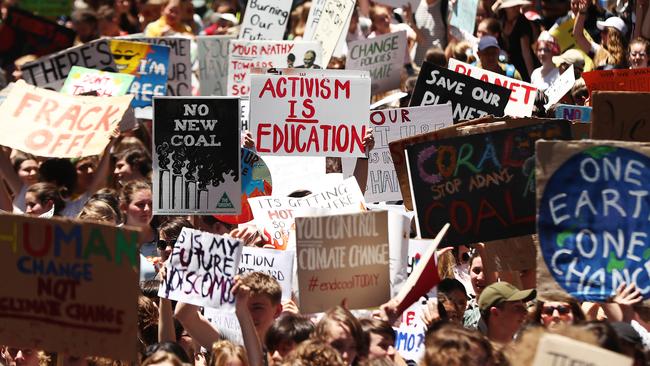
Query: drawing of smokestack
[176, 194]
[163, 151]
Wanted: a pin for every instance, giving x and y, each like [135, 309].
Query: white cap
[614, 22]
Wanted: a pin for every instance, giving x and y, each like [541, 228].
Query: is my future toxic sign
[317, 114]
[594, 206]
[482, 184]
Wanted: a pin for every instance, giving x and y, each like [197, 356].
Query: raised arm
[8, 173]
[99, 180]
[579, 27]
[252, 343]
[196, 324]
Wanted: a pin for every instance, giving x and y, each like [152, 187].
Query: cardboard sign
[58, 297]
[51, 71]
[302, 115]
[522, 98]
[227, 323]
[265, 20]
[593, 215]
[382, 57]
[620, 116]
[57, 125]
[560, 87]
[317, 7]
[48, 8]
[107, 84]
[483, 184]
[245, 55]
[332, 25]
[573, 112]
[618, 80]
[149, 64]
[179, 69]
[201, 269]
[196, 164]
[470, 98]
[342, 257]
[276, 263]
[463, 15]
[509, 255]
[213, 64]
[554, 349]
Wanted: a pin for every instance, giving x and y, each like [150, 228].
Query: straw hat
[502, 4]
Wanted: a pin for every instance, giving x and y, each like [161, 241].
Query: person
[340, 329]
[554, 314]
[503, 310]
[452, 345]
[517, 35]
[170, 22]
[488, 54]
[314, 352]
[162, 358]
[479, 280]
[44, 200]
[308, 61]
[21, 356]
[131, 164]
[287, 332]
[109, 22]
[381, 339]
[226, 353]
[98, 210]
[136, 206]
[168, 233]
[638, 53]
[611, 50]
[430, 27]
[545, 48]
[454, 294]
[18, 173]
[381, 24]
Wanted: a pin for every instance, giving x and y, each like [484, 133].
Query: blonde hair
[614, 53]
[98, 210]
[160, 357]
[313, 352]
[224, 350]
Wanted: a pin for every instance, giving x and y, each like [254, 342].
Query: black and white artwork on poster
[196, 155]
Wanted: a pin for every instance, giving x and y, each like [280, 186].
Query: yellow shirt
[160, 28]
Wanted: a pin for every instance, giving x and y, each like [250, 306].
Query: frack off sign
[317, 114]
[593, 215]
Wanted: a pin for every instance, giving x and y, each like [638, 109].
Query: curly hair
[452, 345]
[314, 352]
[223, 350]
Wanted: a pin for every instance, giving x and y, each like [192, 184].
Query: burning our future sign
[594, 215]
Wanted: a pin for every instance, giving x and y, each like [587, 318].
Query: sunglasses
[162, 244]
[126, 57]
[562, 310]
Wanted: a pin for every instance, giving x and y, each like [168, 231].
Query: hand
[441, 252]
[583, 6]
[430, 313]
[242, 294]
[627, 295]
[368, 141]
[389, 311]
[249, 235]
[290, 307]
[247, 140]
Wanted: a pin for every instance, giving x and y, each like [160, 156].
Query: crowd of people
[475, 317]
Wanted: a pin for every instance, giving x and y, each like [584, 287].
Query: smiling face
[556, 313]
[28, 172]
[477, 276]
[127, 55]
[638, 56]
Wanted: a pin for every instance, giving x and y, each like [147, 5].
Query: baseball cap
[614, 22]
[571, 57]
[487, 42]
[499, 292]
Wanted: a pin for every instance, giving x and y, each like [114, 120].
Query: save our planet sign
[594, 215]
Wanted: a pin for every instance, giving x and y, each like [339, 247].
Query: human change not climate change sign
[593, 215]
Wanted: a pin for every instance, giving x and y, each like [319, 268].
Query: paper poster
[295, 172]
[554, 349]
[213, 64]
[81, 80]
[471, 98]
[342, 257]
[196, 164]
[275, 263]
[58, 125]
[522, 98]
[593, 226]
[382, 57]
[463, 15]
[46, 8]
[509, 255]
[560, 87]
[620, 116]
[227, 323]
[482, 184]
[573, 112]
[332, 25]
[302, 115]
[201, 269]
[618, 80]
[265, 20]
[399, 3]
[51, 71]
[315, 12]
[245, 55]
[59, 294]
[409, 337]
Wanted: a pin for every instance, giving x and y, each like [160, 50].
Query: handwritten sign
[51, 71]
[295, 115]
[245, 55]
[463, 15]
[276, 263]
[343, 257]
[409, 337]
[213, 64]
[201, 269]
[57, 297]
[560, 87]
[265, 20]
[620, 116]
[313, 17]
[554, 349]
[573, 112]
[197, 155]
[58, 125]
[483, 184]
[382, 57]
[332, 25]
[618, 80]
[593, 231]
[470, 98]
[82, 80]
[522, 98]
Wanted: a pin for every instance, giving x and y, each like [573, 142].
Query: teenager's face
[124, 172]
[544, 53]
[638, 56]
[556, 313]
[340, 338]
[477, 276]
[381, 346]
[138, 212]
[34, 206]
[28, 172]
[85, 173]
[510, 317]
[263, 313]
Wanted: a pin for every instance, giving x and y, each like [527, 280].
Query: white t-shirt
[543, 82]
[19, 201]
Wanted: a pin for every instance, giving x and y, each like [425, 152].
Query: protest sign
[390, 125]
[57, 294]
[197, 155]
[399, 3]
[409, 337]
[592, 215]
[276, 263]
[51, 71]
[245, 55]
[47, 8]
[81, 80]
[332, 25]
[554, 349]
[227, 323]
[573, 112]
[179, 68]
[265, 20]
[483, 184]
[470, 98]
[463, 15]
[509, 255]
[201, 269]
[618, 80]
[58, 125]
[313, 17]
[580, 131]
[213, 64]
[24, 33]
[522, 98]
[148, 63]
[294, 115]
[620, 116]
[560, 87]
[276, 214]
[342, 257]
[382, 57]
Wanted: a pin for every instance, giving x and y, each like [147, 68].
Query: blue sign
[573, 112]
[594, 222]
